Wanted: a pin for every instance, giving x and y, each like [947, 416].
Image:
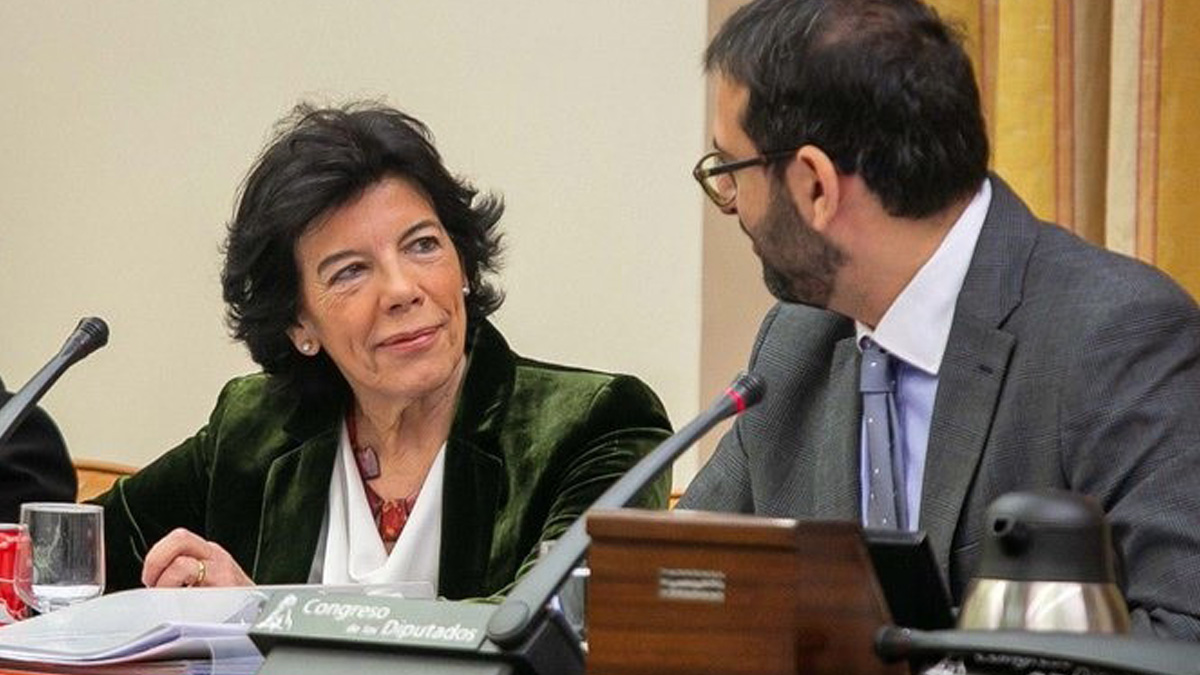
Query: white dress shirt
[915, 330]
[350, 549]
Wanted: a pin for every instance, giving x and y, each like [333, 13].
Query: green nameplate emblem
[302, 616]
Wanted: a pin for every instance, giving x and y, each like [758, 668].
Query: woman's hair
[320, 160]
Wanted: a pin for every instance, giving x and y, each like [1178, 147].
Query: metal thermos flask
[1047, 565]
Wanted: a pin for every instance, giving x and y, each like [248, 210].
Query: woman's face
[382, 294]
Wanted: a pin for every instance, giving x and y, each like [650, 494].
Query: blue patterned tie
[886, 500]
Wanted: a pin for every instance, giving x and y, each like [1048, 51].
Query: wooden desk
[690, 592]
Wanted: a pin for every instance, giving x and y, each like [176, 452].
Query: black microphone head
[96, 331]
[90, 335]
[749, 387]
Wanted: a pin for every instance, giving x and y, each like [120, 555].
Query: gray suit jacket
[1067, 367]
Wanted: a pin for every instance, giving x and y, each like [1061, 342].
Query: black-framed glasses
[716, 177]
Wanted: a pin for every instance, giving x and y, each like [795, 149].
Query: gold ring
[201, 572]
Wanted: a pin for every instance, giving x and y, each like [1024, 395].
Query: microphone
[90, 335]
[519, 614]
[1025, 651]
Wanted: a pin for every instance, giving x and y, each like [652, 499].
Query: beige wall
[734, 298]
[125, 127]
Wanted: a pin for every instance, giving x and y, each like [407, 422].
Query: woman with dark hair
[393, 435]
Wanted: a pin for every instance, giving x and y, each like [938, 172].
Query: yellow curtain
[1092, 107]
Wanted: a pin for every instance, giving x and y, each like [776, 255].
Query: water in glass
[66, 564]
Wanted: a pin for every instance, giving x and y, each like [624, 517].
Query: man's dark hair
[320, 160]
[883, 87]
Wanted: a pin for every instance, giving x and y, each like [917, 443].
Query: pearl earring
[307, 347]
[466, 289]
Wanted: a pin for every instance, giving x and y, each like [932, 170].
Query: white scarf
[351, 550]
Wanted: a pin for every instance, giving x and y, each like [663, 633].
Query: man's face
[733, 144]
[799, 263]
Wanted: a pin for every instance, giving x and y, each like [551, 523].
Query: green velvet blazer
[532, 445]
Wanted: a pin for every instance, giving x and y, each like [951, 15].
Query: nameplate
[316, 616]
[691, 584]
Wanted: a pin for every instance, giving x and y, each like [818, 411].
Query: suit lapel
[475, 469]
[975, 365]
[473, 488]
[837, 442]
[969, 385]
[294, 500]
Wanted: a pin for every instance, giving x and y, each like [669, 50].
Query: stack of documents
[140, 631]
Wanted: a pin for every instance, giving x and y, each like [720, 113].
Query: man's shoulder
[787, 317]
[1047, 262]
[796, 329]
[1087, 279]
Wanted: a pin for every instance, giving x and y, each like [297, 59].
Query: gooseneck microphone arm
[90, 335]
[1041, 651]
[518, 615]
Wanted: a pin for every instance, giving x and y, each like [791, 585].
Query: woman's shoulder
[256, 400]
[254, 420]
[583, 393]
[497, 370]
[571, 380]
[522, 395]
[250, 392]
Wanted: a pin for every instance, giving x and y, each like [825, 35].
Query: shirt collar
[916, 326]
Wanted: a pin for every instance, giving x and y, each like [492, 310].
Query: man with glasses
[935, 345]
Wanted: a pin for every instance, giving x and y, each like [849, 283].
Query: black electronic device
[915, 590]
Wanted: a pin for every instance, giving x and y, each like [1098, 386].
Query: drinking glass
[66, 562]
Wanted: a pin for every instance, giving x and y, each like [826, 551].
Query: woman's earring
[308, 348]
[466, 289]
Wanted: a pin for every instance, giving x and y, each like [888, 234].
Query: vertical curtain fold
[1092, 107]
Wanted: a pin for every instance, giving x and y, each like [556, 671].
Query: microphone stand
[521, 611]
[90, 335]
[1028, 651]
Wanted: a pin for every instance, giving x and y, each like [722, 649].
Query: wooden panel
[96, 477]
[796, 597]
[733, 297]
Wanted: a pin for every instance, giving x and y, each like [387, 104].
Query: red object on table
[14, 553]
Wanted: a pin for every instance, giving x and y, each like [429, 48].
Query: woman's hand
[183, 558]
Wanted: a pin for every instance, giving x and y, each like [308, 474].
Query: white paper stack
[142, 625]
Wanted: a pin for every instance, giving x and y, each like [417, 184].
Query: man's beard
[799, 263]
